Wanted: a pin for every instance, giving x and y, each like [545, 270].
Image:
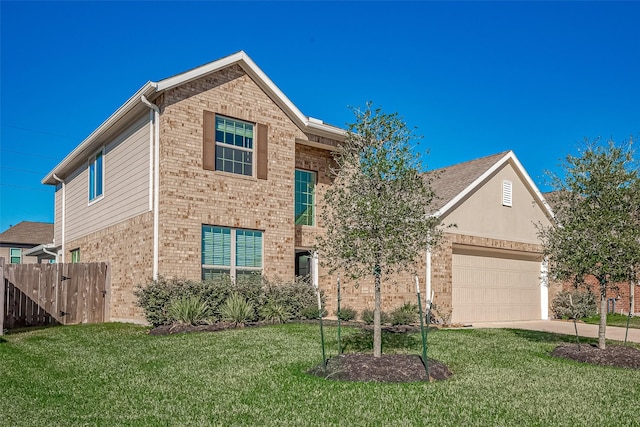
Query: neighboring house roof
[152, 90]
[454, 183]
[28, 233]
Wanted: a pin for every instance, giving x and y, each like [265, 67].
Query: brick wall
[128, 248]
[191, 196]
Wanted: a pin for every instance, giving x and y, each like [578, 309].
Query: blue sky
[475, 78]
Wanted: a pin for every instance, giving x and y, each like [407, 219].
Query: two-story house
[215, 171]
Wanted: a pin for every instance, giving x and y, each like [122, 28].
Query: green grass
[615, 320]
[116, 374]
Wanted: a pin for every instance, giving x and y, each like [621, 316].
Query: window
[304, 198]
[230, 251]
[507, 193]
[234, 146]
[96, 175]
[16, 255]
[75, 255]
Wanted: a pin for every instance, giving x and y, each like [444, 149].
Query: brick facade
[128, 248]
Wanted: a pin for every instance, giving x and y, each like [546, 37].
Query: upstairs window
[305, 183]
[234, 146]
[507, 193]
[96, 176]
[16, 255]
[228, 251]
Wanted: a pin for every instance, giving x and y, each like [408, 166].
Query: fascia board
[147, 90]
[532, 185]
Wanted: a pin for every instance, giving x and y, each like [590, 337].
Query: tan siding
[126, 185]
[483, 215]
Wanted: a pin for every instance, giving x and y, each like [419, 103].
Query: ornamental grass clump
[274, 312]
[238, 310]
[190, 310]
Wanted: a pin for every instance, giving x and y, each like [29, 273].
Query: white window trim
[92, 159]
[233, 268]
[10, 256]
[252, 150]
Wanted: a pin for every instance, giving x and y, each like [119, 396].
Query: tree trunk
[603, 315]
[377, 330]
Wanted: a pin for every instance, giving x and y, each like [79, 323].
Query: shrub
[346, 314]
[406, 314]
[312, 312]
[367, 317]
[238, 310]
[574, 304]
[188, 309]
[156, 297]
[274, 312]
[297, 297]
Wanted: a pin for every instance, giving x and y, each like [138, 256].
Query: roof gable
[28, 233]
[454, 183]
[152, 90]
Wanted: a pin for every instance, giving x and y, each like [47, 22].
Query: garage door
[490, 287]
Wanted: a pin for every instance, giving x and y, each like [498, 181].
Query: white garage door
[489, 288]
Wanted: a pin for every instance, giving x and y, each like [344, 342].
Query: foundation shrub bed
[293, 299]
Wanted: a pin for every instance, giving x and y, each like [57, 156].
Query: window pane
[98, 174]
[304, 197]
[248, 248]
[229, 134]
[92, 181]
[216, 246]
[214, 273]
[16, 255]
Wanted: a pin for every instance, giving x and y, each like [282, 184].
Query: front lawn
[116, 374]
[615, 320]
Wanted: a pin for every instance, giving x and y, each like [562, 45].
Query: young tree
[597, 208]
[377, 212]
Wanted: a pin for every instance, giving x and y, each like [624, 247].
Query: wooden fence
[44, 294]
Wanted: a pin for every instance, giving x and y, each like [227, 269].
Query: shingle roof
[450, 181]
[28, 232]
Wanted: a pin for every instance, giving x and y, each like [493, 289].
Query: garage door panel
[487, 288]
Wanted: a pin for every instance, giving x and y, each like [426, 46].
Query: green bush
[297, 297]
[294, 297]
[188, 309]
[367, 317]
[406, 314]
[574, 304]
[346, 314]
[274, 312]
[238, 310]
[312, 312]
[156, 297]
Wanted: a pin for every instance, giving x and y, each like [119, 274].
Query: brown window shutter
[209, 141]
[263, 152]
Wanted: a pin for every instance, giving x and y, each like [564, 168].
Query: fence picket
[35, 294]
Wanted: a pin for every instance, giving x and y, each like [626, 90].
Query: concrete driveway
[565, 327]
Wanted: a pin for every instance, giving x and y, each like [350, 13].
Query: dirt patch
[391, 368]
[614, 355]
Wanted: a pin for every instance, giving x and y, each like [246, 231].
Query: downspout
[64, 214]
[156, 180]
[50, 253]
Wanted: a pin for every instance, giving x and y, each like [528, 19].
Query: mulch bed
[390, 368]
[614, 355]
